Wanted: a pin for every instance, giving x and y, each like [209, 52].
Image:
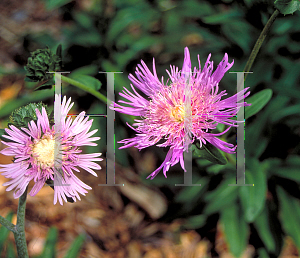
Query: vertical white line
[240, 139]
[58, 127]
[110, 154]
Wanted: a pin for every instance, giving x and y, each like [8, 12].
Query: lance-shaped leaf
[209, 152]
[258, 101]
[4, 232]
[235, 228]
[289, 215]
[74, 250]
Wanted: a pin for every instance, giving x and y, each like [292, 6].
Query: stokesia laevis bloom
[41, 153]
[163, 115]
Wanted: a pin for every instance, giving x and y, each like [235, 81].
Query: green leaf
[290, 214]
[87, 80]
[140, 13]
[87, 70]
[222, 18]
[87, 38]
[249, 3]
[263, 227]
[216, 168]
[288, 111]
[255, 130]
[4, 232]
[84, 20]
[11, 250]
[99, 123]
[47, 85]
[54, 4]
[282, 27]
[195, 9]
[291, 173]
[192, 193]
[28, 80]
[209, 152]
[50, 245]
[221, 197]
[239, 32]
[235, 229]
[196, 221]
[293, 160]
[287, 6]
[74, 250]
[262, 253]
[258, 101]
[261, 146]
[260, 73]
[253, 197]
[220, 127]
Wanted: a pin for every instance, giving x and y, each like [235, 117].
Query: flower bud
[40, 63]
[23, 115]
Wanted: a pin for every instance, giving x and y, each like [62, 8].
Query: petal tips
[186, 67]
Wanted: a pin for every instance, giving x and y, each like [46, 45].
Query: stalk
[259, 42]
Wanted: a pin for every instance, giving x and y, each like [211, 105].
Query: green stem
[259, 42]
[19, 233]
[85, 88]
[11, 227]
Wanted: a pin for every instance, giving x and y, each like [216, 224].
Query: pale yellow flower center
[44, 151]
[178, 113]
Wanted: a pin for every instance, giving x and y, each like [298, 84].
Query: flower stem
[19, 233]
[7, 224]
[85, 88]
[259, 42]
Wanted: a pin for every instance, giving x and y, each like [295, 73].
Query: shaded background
[154, 218]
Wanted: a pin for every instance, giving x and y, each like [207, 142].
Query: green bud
[41, 62]
[23, 115]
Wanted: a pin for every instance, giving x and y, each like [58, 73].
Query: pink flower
[41, 153]
[163, 118]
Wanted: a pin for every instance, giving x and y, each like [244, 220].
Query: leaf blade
[258, 101]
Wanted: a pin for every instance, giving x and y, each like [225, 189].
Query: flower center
[178, 113]
[44, 151]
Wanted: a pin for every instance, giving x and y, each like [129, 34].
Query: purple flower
[164, 116]
[41, 153]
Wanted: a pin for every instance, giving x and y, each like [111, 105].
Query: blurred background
[154, 218]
